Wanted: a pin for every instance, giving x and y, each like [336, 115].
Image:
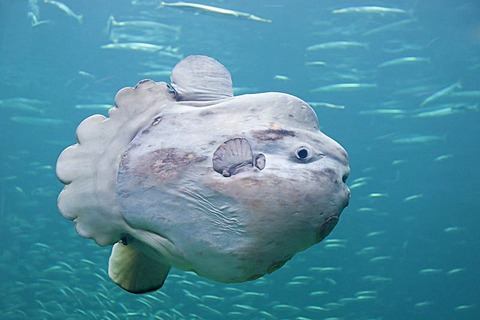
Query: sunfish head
[287, 177]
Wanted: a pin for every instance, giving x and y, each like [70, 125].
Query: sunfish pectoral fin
[235, 156]
[134, 271]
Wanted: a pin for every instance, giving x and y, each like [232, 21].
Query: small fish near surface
[369, 9]
[135, 46]
[24, 105]
[344, 87]
[404, 61]
[38, 121]
[417, 139]
[442, 93]
[187, 175]
[445, 110]
[141, 31]
[337, 45]
[66, 9]
[211, 9]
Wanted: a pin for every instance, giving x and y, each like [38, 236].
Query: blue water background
[418, 258]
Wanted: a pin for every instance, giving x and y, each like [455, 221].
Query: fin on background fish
[135, 271]
[201, 78]
[235, 156]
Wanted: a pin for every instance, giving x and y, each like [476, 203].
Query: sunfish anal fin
[134, 271]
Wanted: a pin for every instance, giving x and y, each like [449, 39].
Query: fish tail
[110, 22]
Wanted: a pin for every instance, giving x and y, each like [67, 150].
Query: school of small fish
[371, 70]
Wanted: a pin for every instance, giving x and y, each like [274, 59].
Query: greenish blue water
[408, 245]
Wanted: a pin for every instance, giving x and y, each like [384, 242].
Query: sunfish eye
[302, 153]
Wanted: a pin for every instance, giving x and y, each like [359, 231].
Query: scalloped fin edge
[89, 168]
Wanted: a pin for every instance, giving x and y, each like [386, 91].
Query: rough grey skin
[192, 177]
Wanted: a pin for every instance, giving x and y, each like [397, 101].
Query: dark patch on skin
[206, 113]
[334, 152]
[326, 173]
[276, 265]
[140, 82]
[157, 120]
[326, 228]
[272, 134]
[126, 239]
[329, 172]
[167, 163]
[339, 155]
[255, 277]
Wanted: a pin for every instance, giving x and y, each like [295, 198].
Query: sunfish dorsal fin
[201, 78]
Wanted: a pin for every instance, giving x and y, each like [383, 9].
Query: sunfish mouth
[329, 224]
[235, 156]
[347, 197]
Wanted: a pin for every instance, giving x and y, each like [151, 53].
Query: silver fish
[383, 112]
[38, 121]
[344, 87]
[67, 10]
[442, 93]
[389, 27]
[404, 60]
[142, 24]
[135, 46]
[337, 45]
[418, 139]
[369, 9]
[216, 10]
